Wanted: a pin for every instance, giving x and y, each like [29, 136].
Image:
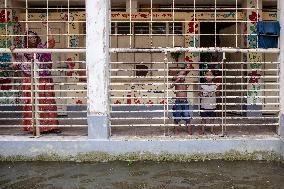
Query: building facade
[113, 64]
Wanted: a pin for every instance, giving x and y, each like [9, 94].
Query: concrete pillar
[281, 20]
[190, 40]
[254, 88]
[97, 57]
[281, 127]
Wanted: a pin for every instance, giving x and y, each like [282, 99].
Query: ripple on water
[152, 175]
[32, 182]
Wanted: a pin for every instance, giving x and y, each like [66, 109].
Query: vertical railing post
[35, 93]
[32, 99]
[97, 58]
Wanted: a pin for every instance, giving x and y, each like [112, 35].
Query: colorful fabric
[48, 120]
[27, 58]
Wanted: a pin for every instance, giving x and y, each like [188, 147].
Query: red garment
[6, 86]
[44, 124]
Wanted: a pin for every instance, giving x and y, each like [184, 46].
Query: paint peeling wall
[254, 88]
[190, 27]
[8, 26]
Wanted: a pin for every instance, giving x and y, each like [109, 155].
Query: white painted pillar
[281, 20]
[97, 57]
[254, 92]
[281, 57]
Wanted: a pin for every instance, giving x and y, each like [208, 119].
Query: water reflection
[122, 175]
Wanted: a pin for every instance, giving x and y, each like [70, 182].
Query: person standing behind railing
[208, 102]
[181, 107]
[47, 105]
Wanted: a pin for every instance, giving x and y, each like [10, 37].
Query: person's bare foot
[213, 132]
[175, 130]
[189, 129]
[202, 131]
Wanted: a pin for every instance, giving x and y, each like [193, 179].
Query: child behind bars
[208, 101]
[181, 107]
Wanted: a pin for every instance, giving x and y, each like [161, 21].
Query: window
[178, 27]
[123, 28]
[141, 28]
[112, 28]
[144, 28]
[159, 28]
[141, 70]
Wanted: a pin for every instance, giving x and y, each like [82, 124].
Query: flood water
[124, 175]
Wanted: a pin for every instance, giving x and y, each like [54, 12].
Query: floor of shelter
[231, 131]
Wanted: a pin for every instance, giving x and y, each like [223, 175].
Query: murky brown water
[123, 175]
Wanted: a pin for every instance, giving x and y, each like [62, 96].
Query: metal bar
[33, 100]
[18, 126]
[192, 49]
[155, 50]
[172, 125]
[34, 77]
[161, 118]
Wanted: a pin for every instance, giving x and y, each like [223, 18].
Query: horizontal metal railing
[147, 50]
[148, 100]
[55, 100]
[136, 98]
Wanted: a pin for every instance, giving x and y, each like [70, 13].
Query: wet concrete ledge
[84, 149]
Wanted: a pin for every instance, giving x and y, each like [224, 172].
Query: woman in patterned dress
[48, 117]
